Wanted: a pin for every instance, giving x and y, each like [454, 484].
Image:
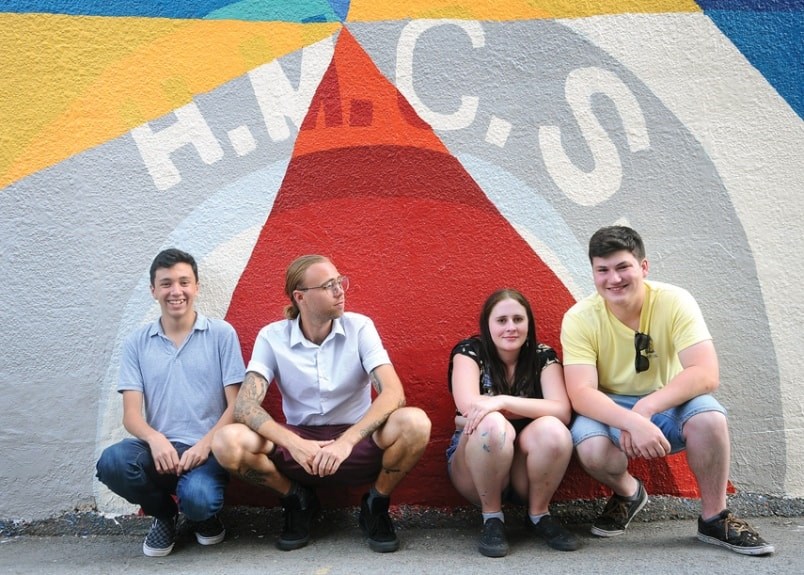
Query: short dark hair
[610, 239]
[169, 258]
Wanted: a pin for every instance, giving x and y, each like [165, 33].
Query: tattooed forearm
[248, 406]
[374, 426]
[375, 381]
[371, 428]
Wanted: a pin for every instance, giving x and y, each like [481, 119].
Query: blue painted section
[772, 42]
[753, 5]
[341, 8]
[253, 10]
[143, 8]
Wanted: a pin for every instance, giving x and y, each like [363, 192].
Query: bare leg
[403, 439]
[244, 453]
[544, 449]
[604, 461]
[481, 465]
[708, 455]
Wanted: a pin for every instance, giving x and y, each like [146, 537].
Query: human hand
[192, 458]
[644, 440]
[165, 456]
[480, 408]
[304, 451]
[329, 458]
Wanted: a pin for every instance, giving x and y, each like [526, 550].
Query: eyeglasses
[338, 284]
[642, 343]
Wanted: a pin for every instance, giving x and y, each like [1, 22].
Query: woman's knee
[494, 431]
[546, 434]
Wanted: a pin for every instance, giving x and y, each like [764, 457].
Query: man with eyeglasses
[640, 365]
[325, 361]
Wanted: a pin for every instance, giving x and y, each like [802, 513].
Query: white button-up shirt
[323, 384]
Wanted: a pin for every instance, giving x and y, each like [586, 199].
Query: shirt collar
[201, 324]
[297, 336]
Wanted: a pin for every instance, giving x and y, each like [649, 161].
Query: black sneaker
[556, 535]
[299, 510]
[209, 531]
[376, 524]
[161, 537]
[732, 533]
[493, 542]
[618, 513]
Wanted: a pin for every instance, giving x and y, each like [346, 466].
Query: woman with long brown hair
[511, 438]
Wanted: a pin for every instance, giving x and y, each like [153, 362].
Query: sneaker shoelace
[740, 528]
[617, 508]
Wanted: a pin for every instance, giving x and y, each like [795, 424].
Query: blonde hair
[294, 277]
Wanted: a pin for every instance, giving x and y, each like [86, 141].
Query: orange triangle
[356, 106]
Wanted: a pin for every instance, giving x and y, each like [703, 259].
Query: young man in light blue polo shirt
[179, 377]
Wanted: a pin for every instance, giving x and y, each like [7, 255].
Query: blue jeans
[670, 421]
[128, 469]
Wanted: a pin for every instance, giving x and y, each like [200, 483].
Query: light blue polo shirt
[183, 387]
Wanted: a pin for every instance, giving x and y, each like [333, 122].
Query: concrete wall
[437, 150]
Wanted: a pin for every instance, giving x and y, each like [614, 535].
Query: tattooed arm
[390, 397]
[248, 408]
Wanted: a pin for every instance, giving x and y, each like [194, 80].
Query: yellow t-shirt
[591, 335]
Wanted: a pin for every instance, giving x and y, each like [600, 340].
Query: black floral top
[471, 348]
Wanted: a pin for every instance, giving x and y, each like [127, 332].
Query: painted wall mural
[436, 150]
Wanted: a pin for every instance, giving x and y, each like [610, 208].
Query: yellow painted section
[71, 83]
[371, 10]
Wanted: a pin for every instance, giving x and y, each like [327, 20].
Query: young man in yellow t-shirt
[639, 365]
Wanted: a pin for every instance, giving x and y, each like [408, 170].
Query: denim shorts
[670, 421]
[453, 444]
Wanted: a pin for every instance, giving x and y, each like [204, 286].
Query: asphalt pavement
[656, 547]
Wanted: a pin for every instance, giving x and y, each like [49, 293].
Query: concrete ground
[658, 547]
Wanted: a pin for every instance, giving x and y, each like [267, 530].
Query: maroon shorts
[361, 467]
